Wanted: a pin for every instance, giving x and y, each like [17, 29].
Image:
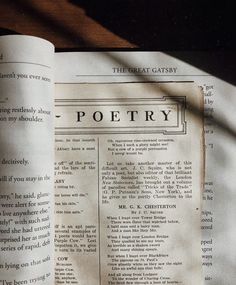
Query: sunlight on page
[26, 161]
[218, 213]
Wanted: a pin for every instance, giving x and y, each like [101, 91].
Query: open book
[102, 169]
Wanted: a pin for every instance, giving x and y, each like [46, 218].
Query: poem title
[132, 115]
[127, 115]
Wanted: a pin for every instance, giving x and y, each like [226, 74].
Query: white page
[26, 161]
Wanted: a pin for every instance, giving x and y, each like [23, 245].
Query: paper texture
[113, 126]
[26, 156]
[129, 174]
[218, 215]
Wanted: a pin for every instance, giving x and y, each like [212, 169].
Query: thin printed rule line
[99, 223]
[138, 75]
[147, 80]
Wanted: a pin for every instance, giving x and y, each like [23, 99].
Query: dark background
[170, 26]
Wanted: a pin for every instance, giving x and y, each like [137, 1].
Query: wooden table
[64, 23]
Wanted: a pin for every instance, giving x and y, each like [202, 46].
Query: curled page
[26, 161]
[218, 199]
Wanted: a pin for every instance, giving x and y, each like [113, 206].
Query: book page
[218, 212]
[128, 181]
[26, 161]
